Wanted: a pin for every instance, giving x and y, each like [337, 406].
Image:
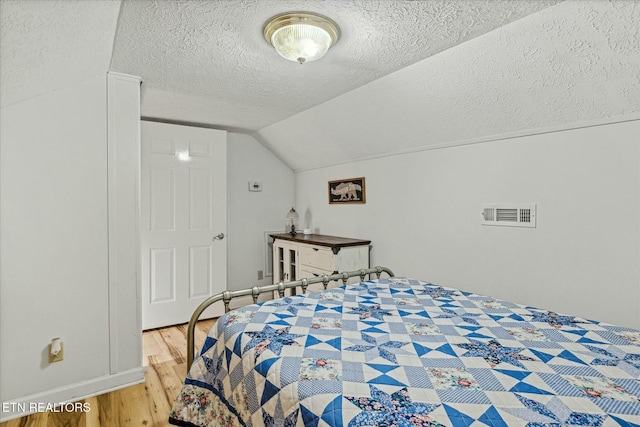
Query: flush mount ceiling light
[301, 36]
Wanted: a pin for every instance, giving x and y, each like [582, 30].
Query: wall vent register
[510, 215]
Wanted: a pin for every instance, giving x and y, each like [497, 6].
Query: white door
[183, 221]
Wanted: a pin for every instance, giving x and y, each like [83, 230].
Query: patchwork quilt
[402, 352]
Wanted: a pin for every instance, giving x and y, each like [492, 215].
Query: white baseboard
[26, 405]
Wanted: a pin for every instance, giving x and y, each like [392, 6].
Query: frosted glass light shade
[301, 37]
[293, 214]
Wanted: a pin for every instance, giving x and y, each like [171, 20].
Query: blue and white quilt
[402, 352]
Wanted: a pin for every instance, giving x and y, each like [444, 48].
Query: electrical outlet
[255, 186]
[260, 274]
[57, 357]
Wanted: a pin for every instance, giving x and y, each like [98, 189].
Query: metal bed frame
[226, 296]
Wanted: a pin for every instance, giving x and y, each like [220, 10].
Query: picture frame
[347, 191]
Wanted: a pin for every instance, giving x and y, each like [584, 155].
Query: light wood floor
[142, 405]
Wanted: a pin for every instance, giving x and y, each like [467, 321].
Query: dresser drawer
[307, 272]
[318, 257]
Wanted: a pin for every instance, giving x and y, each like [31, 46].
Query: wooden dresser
[312, 255]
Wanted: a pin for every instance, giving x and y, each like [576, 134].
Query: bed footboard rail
[280, 287]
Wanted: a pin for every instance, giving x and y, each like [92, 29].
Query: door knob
[218, 237]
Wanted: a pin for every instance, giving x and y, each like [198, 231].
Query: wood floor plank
[93, 416]
[180, 370]
[161, 393]
[35, 420]
[140, 405]
[106, 409]
[172, 339]
[150, 346]
[157, 348]
[67, 419]
[169, 379]
[136, 407]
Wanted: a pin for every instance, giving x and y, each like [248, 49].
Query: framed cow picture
[343, 191]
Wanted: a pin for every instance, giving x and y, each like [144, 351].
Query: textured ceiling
[405, 75]
[207, 61]
[575, 63]
[47, 45]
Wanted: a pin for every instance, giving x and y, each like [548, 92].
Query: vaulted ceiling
[404, 74]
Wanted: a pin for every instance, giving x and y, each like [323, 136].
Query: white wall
[250, 214]
[54, 248]
[423, 215]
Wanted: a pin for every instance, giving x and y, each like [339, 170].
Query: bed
[393, 351]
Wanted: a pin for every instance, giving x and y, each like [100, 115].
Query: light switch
[255, 186]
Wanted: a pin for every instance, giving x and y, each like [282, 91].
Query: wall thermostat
[255, 186]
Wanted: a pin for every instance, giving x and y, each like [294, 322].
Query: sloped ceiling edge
[572, 62]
